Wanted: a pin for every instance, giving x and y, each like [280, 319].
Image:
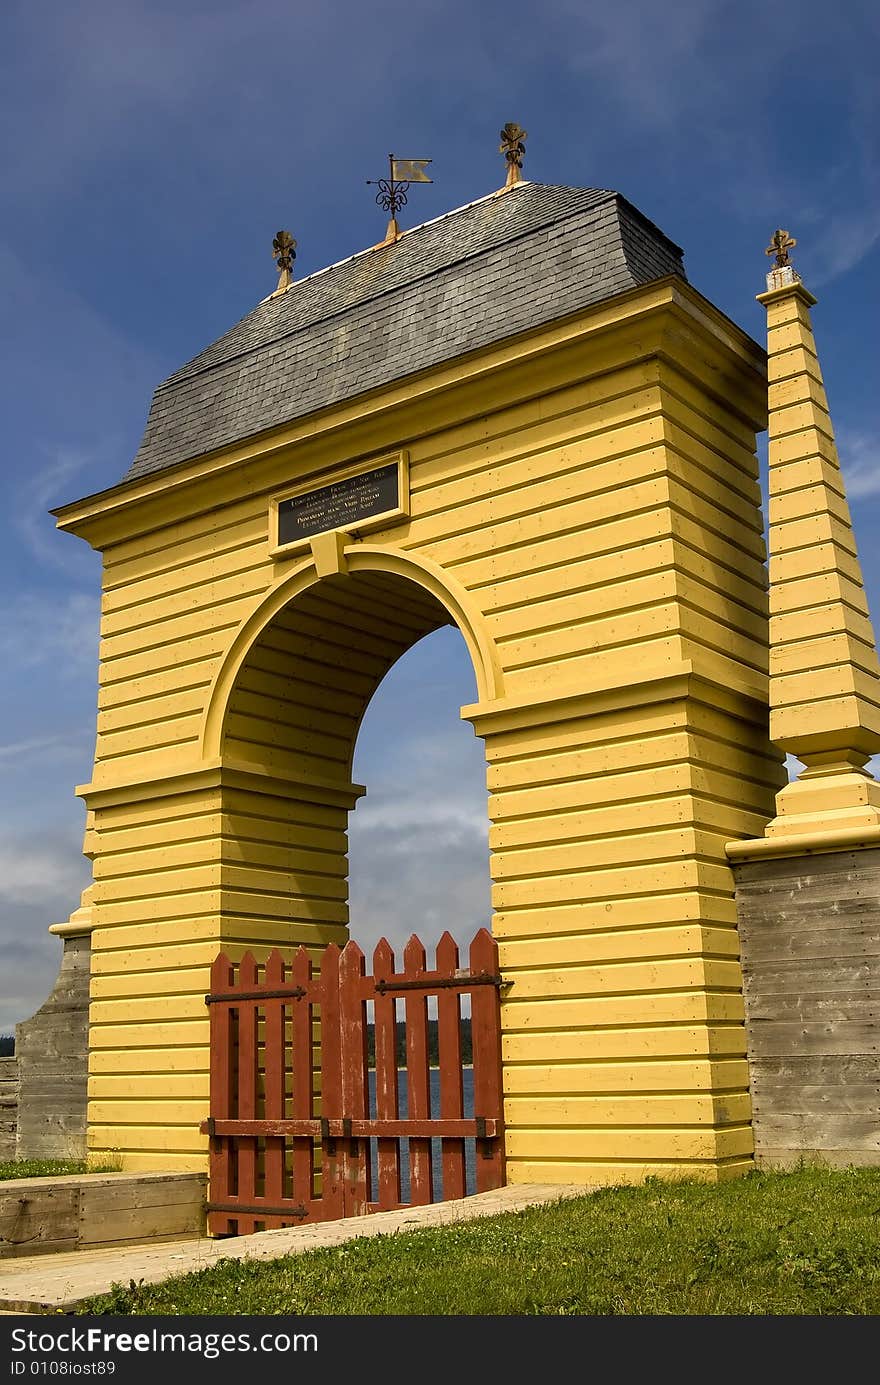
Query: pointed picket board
[247, 1089]
[486, 1042]
[352, 969]
[221, 1095]
[418, 1074]
[332, 1158]
[451, 1089]
[303, 1079]
[387, 1088]
[274, 1051]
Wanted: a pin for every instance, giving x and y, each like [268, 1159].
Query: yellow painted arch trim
[359, 558]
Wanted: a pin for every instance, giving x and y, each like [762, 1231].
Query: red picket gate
[290, 1122]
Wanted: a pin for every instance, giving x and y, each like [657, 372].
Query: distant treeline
[433, 1045]
[7, 1045]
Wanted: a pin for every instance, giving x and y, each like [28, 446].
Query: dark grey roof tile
[501, 266]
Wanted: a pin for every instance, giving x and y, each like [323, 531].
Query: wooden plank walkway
[57, 1283]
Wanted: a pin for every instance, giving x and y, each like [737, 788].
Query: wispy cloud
[37, 494]
[51, 875]
[860, 462]
[56, 629]
[35, 748]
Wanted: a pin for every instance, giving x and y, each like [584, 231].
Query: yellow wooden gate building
[519, 419]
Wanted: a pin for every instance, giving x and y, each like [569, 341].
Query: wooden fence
[294, 1132]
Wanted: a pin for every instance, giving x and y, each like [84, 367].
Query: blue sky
[149, 152]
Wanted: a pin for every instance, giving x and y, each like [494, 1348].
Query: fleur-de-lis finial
[513, 148]
[780, 244]
[284, 251]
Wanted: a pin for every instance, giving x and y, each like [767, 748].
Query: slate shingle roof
[471, 278]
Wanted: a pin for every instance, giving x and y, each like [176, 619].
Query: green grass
[805, 1242]
[48, 1168]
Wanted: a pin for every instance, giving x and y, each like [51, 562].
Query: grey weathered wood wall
[8, 1106]
[52, 1052]
[810, 939]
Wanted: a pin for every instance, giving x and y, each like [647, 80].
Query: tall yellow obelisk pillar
[824, 672]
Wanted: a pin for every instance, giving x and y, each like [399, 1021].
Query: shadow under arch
[418, 597]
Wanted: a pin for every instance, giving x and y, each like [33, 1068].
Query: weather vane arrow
[393, 189]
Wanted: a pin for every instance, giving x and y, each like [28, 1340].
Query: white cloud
[860, 463]
[60, 630]
[842, 240]
[51, 876]
[40, 492]
[35, 748]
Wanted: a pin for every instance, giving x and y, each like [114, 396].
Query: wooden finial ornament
[779, 246]
[284, 251]
[512, 146]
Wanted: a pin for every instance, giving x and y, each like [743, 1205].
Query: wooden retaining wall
[8, 1106]
[51, 1050]
[82, 1211]
[810, 938]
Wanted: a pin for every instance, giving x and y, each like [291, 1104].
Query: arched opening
[418, 849]
[292, 723]
[293, 716]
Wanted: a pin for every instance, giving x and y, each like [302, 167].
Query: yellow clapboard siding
[145, 1138]
[592, 1011]
[603, 459]
[644, 1111]
[195, 658]
[652, 782]
[134, 1087]
[598, 853]
[213, 927]
[186, 1034]
[131, 715]
[188, 1062]
[637, 943]
[655, 878]
[634, 817]
[594, 1173]
[168, 605]
[616, 757]
[669, 1143]
[573, 607]
[147, 1009]
[244, 727]
[129, 985]
[622, 1076]
[248, 562]
[175, 630]
[639, 1043]
[630, 977]
[122, 962]
[149, 736]
[186, 1111]
[574, 670]
[562, 920]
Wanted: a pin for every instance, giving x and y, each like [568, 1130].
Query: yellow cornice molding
[72, 929]
[804, 844]
[219, 774]
[666, 683]
[795, 290]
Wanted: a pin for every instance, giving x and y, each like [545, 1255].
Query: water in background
[469, 1145]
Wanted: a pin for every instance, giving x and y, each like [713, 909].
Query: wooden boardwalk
[57, 1283]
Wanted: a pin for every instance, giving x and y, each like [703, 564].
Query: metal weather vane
[513, 147]
[284, 252]
[393, 189]
[780, 244]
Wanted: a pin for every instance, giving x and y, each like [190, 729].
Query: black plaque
[342, 504]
